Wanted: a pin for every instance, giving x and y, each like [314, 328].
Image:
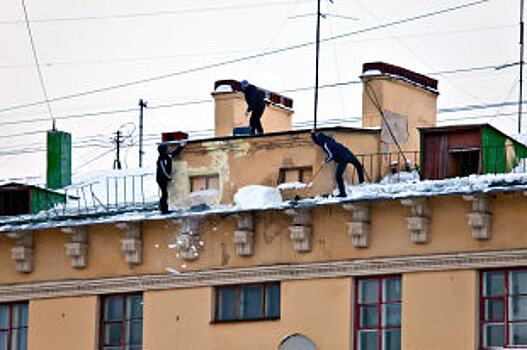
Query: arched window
[297, 342]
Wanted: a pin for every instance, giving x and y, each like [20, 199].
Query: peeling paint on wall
[218, 152]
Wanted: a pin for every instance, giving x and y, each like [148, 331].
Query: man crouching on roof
[339, 154]
[164, 172]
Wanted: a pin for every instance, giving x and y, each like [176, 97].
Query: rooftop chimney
[58, 159]
[407, 99]
[230, 107]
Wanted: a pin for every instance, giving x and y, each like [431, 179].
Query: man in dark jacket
[341, 155]
[255, 106]
[164, 173]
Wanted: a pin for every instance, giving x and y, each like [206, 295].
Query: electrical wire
[99, 156]
[223, 53]
[371, 94]
[37, 64]
[246, 58]
[157, 13]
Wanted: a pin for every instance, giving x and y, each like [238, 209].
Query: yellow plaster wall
[319, 309]
[389, 237]
[65, 323]
[229, 112]
[257, 161]
[417, 105]
[439, 310]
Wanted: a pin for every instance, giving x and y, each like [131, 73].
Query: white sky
[89, 45]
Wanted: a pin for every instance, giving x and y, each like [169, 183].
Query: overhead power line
[482, 106]
[240, 51]
[246, 58]
[35, 56]
[156, 13]
[197, 102]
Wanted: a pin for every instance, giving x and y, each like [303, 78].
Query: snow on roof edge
[304, 203]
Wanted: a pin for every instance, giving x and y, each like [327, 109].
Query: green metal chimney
[59, 159]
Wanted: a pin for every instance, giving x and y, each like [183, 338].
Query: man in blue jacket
[255, 106]
[341, 155]
[164, 173]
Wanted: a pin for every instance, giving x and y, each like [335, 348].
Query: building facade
[420, 265]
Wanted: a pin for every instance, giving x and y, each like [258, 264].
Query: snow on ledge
[256, 197]
[293, 185]
[261, 198]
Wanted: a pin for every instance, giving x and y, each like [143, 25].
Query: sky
[98, 58]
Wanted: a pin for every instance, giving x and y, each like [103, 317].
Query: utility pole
[316, 66]
[117, 140]
[142, 104]
[521, 70]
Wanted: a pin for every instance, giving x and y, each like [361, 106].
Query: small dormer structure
[463, 150]
[20, 198]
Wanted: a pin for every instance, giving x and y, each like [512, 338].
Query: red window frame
[10, 327]
[379, 305]
[237, 316]
[122, 321]
[505, 298]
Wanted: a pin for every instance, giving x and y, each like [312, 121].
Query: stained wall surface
[389, 237]
[439, 310]
[63, 323]
[318, 309]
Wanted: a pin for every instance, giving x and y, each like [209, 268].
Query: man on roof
[164, 172]
[341, 155]
[255, 106]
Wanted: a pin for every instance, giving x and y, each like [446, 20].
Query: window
[14, 200]
[297, 174]
[297, 342]
[463, 162]
[13, 326]
[378, 313]
[503, 308]
[247, 302]
[204, 182]
[122, 322]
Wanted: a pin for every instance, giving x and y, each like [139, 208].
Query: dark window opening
[296, 174]
[14, 201]
[463, 162]
[247, 302]
[204, 182]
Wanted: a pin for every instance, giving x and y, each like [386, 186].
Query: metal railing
[108, 195]
[113, 194]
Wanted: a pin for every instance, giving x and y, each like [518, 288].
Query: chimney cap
[385, 68]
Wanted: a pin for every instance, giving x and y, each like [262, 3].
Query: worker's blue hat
[245, 83]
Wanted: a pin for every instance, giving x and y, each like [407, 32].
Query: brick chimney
[230, 107]
[408, 100]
